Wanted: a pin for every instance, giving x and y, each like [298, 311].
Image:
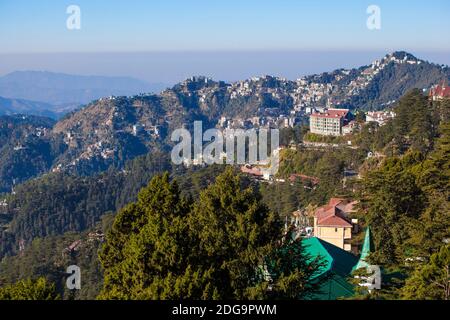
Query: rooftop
[440, 91]
[338, 265]
[334, 214]
[332, 114]
[335, 259]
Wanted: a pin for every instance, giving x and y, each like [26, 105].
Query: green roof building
[366, 249]
[338, 267]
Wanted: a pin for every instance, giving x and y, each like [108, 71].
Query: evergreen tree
[436, 174]
[393, 201]
[431, 281]
[165, 247]
[147, 244]
[233, 232]
[434, 224]
[293, 273]
[38, 289]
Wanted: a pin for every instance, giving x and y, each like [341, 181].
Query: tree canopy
[38, 289]
[165, 246]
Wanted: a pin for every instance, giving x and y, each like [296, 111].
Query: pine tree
[431, 281]
[29, 289]
[434, 178]
[234, 232]
[165, 247]
[393, 201]
[437, 168]
[293, 273]
[146, 244]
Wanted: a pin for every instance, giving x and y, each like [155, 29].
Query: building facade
[333, 225]
[329, 122]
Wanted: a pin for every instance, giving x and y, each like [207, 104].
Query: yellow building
[332, 224]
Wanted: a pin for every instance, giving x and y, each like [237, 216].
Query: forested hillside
[26, 148]
[57, 203]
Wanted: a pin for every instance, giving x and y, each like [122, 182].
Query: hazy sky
[261, 36]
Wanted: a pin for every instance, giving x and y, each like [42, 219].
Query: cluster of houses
[94, 236]
[307, 97]
[328, 232]
[322, 121]
[367, 75]
[271, 119]
[328, 121]
[307, 93]
[380, 117]
[340, 122]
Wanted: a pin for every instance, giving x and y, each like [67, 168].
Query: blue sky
[138, 25]
[135, 26]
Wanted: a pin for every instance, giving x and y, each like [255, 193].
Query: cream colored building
[331, 223]
[328, 123]
[337, 235]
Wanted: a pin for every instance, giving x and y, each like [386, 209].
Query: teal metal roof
[338, 265]
[366, 249]
[337, 260]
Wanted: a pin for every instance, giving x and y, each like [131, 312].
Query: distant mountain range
[20, 106]
[59, 93]
[112, 130]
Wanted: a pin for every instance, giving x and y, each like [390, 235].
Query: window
[335, 229]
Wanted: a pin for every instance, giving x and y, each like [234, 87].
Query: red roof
[252, 171]
[332, 113]
[334, 213]
[293, 178]
[334, 221]
[442, 91]
[325, 211]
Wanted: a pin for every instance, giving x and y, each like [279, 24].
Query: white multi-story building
[328, 123]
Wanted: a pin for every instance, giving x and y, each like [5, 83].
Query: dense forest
[26, 150]
[57, 203]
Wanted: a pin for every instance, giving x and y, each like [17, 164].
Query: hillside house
[332, 223]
